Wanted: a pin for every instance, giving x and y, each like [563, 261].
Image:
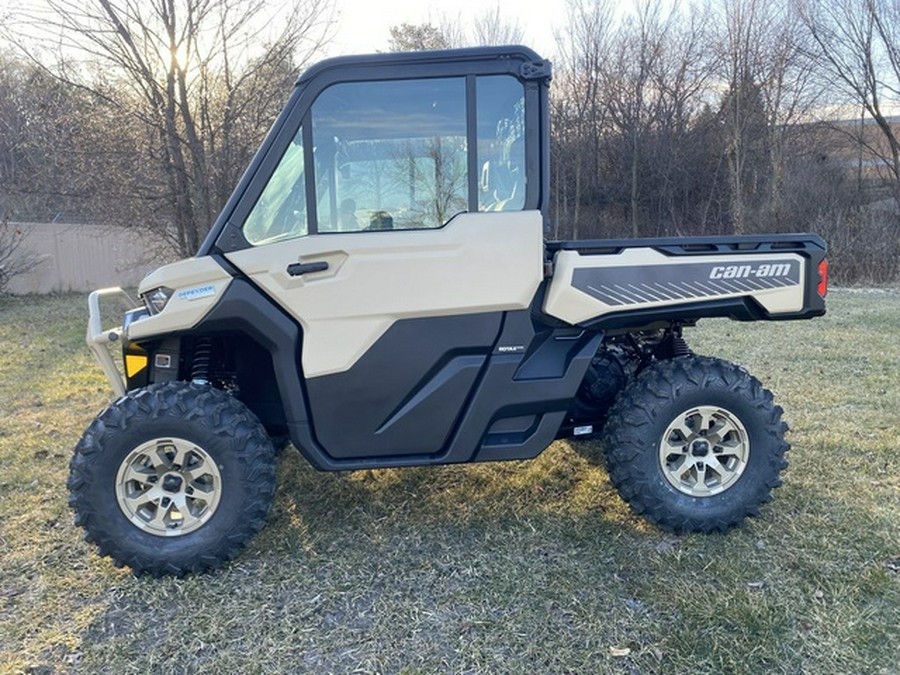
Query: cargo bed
[636, 283]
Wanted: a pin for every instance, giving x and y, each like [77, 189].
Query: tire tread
[220, 414]
[632, 457]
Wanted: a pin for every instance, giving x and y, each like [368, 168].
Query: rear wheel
[173, 478]
[695, 444]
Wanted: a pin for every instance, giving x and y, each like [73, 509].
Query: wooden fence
[84, 257]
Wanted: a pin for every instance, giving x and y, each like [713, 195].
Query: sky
[362, 25]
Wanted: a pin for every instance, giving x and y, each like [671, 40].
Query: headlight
[155, 300]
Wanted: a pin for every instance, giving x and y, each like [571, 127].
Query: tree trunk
[634, 184]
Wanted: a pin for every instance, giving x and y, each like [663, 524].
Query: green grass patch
[518, 567]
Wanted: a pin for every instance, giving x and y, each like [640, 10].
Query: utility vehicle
[378, 292]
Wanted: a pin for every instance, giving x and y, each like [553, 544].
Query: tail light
[823, 278]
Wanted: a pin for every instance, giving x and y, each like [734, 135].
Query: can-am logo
[763, 271]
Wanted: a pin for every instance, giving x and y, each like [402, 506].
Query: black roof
[518, 52]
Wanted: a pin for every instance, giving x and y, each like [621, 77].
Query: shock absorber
[679, 346]
[200, 368]
[673, 344]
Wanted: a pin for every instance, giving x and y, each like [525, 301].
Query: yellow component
[135, 363]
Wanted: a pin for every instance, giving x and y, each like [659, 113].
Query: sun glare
[182, 56]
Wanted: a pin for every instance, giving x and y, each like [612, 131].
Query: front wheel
[173, 478]
[695, 444]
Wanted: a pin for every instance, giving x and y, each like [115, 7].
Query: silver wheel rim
[168, 487]
[704, 451]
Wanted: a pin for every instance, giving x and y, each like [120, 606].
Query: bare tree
[489, 27]
[744, 27]
[200, 75]
[857, 43]
[688, 168]
[628, 89]
[64, 153]
[14, 259]
[790, 93]
[410, 37]
[763, 62]
[580, 113]
[630, 85]
[492, 28]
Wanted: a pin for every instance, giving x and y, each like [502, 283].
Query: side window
[390, 155]
[395, 155]
[500, 115]
[280, 211]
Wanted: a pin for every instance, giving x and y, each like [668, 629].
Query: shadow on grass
[559, 486]
[534, 566]
[477, 566]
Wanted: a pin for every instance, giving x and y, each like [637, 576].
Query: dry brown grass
[520, 567]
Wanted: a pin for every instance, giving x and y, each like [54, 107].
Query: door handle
[296, 269]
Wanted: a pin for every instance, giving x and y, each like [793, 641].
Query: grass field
[518, 567]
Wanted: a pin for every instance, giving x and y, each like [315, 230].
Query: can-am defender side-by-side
[378, 292]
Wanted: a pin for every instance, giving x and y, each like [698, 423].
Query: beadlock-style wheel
[168, 487]
[704, 451]
[173, 478]
[678, 444]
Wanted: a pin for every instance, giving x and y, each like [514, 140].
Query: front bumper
[99, 339]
